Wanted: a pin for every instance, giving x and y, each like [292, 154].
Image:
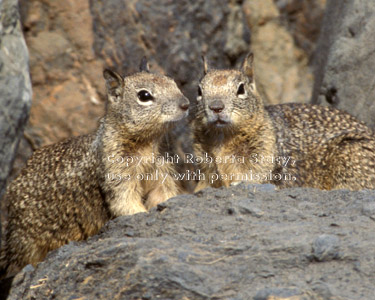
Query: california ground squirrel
[69, 190]
[237, 138]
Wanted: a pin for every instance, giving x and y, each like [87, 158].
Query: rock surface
[303, 19]
[345, 59]
[224, 30]
[66, 75]
[245, 242]
[282, 72]
[15, 86]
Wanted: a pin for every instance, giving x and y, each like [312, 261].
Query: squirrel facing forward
[288, 144]
[69, 190]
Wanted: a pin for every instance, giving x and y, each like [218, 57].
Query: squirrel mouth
[219, 123]
[178, 118]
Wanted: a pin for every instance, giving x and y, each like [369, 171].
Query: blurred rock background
[70, 42]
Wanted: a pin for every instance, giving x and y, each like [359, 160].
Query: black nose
[217, 106]
[184, 104]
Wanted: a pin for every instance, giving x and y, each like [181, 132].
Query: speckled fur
[55, 199]
[63, 193]
[327, 148]
[332, 149]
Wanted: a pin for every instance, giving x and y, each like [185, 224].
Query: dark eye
[241, 89]
[199, 91]
[143, 95]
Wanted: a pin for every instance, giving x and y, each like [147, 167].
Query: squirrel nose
[184, 104]
[217, 106]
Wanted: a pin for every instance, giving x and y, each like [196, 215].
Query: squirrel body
[70, 189]
[288, 145]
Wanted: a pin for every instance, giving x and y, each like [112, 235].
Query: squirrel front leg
[126, 199]
[162, 192]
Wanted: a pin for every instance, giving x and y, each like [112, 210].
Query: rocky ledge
[244, 242]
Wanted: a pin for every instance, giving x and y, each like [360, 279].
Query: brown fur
[327, 148]
[64, 193]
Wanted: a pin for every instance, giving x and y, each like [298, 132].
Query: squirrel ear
[114, 83]
[247, 66]
[144, 67]
[206, 68]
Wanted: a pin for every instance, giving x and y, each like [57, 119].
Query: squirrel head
[143, 103]
[226, 98]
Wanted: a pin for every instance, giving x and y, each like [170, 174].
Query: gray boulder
[15, 86]
[345, 59]
[244, 242]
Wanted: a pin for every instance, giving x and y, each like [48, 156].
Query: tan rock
[282, 69]
[66, 75]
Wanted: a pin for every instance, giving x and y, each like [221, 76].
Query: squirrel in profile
[238, 138]
[69, 190]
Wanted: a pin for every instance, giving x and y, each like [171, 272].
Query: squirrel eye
[241, 89]
[144, 95]
[199, 91]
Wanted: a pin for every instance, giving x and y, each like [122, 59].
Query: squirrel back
[327, 148]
